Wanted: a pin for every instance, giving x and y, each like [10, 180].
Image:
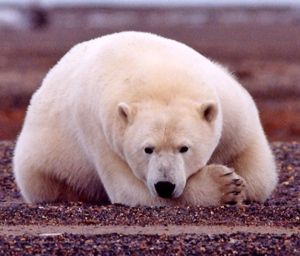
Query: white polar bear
[142, 120]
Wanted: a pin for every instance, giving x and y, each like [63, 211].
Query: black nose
[164, 189]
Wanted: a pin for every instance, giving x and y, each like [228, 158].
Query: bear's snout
[164, 189]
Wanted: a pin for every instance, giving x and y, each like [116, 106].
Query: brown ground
[262, 49]
[269, 228]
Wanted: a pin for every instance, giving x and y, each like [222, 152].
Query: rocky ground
[271, 228]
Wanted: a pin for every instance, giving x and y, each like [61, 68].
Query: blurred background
[258, 40]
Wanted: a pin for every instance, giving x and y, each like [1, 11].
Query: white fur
[107, 99]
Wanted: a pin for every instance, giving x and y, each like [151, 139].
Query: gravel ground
[115, 244]
[281, 210]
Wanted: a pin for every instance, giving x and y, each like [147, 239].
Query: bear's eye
[183, 149]
[149, 150]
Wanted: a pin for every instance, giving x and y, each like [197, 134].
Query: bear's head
[164, 144]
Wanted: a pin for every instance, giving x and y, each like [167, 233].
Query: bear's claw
[233, 191]
[230, 184]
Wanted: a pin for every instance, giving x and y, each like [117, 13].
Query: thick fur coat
[142, 120]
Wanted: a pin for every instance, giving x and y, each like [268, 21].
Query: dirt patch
[170, 230]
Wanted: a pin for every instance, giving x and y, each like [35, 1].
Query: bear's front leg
[214, 185]
[122, 187]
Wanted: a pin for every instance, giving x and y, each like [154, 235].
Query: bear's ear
[125, 112]
[208, 110]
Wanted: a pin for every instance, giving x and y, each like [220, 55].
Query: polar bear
[138, 119]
